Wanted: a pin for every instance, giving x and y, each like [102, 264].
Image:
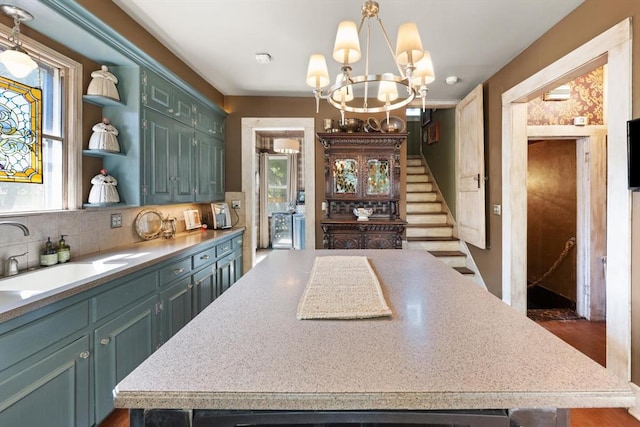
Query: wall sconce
[17, 61]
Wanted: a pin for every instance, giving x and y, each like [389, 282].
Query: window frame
[71, 129]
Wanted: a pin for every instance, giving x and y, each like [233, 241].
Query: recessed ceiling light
[263, 58]
[451, 80]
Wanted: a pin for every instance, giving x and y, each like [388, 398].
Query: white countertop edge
[18, 308]
[370, 401]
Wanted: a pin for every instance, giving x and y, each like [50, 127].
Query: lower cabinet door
[176, 307]
[52, 391]
[204, 288]
[120, 346]
[226, 273]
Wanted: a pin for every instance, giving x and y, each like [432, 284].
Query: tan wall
[587, 21]
[551, 216]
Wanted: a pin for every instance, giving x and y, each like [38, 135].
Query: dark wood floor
[588, 337]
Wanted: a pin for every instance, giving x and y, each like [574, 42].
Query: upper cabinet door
[166, 98]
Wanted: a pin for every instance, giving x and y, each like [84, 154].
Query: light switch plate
[497, 209]
[116, 220]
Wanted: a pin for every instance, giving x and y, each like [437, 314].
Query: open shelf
[101, 101]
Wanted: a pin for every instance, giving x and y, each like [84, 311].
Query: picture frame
[192, 219]
[425, 117]
[433, 133]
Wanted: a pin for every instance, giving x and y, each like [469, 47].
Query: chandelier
[355, 93]
[17, 61]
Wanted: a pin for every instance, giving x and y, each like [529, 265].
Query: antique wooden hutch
[362, 170]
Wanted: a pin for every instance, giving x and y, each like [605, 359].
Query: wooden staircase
[428, 224]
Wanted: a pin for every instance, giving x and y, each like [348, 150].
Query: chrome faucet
[11, 267]
[23, 227]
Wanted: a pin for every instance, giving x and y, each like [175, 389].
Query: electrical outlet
[235, 204]
[116, 220]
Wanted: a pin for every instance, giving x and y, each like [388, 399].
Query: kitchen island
[450, 353]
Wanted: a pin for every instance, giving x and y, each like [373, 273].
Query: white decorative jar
[104, 137]
[103, 189]
[103, 83]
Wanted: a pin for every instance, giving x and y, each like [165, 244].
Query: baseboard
[635, 410]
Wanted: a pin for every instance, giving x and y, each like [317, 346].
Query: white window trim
[72, 125]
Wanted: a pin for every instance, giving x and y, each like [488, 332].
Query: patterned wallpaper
[586, 99]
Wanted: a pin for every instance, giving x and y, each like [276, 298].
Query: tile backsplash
[85, 231]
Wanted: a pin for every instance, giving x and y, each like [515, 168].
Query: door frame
[614, 48]
[251, 125]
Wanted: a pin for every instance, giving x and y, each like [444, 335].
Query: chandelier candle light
[415, 69]
[17, 61]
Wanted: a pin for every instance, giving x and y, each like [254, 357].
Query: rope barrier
[567, 247]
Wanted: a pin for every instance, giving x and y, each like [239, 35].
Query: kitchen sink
[48, 278]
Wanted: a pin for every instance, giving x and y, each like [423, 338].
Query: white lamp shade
[317, 73]
[346, 49]
[423, 74]
[409, 46]
[344, 94]
[286, 145]
[387, 90]
[18, 63]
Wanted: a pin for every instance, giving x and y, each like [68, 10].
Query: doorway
[250, 128]
[614, 48]
[584, 150]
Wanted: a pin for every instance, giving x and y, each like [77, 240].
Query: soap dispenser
[49, 255]
[64, 250]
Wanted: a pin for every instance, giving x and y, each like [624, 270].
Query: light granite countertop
[86, 272]
[448, 345]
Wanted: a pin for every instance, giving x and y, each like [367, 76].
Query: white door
[470, 184]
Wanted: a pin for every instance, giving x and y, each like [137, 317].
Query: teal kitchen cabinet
[50, 389]
[164, 97]
[158, 130]
[120, 346]
[237, 258]
[204, 280]
[60, 363]
[209, 168]
[175, 307]
[175, 297]
[169, 150]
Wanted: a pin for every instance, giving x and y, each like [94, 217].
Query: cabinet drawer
[175, 270]
[203, 258]
[120, 296]
[223, 248]
[39, 334]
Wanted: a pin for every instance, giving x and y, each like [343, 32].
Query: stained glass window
[20, 132]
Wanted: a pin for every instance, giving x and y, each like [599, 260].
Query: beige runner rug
[342, 287]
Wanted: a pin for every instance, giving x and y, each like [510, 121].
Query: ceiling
[470, 39]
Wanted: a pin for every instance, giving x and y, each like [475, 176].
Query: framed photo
[192, 219]
[433, 133]
[300, 198]
[426, 117]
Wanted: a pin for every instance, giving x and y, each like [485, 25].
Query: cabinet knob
[85, 355]
[178, 271]
[170, 110]
[105, 341]
[190, 285]
[205, 257]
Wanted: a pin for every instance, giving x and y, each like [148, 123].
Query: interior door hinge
[587, 157]
[158, 307]
[144, 123]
